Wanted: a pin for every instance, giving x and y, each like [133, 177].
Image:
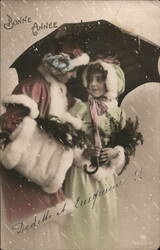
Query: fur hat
[62, 63]
[115, 80]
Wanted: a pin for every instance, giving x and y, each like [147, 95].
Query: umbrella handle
[90, 171]
[93, 166]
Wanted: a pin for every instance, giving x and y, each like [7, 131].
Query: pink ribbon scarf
[97, 108]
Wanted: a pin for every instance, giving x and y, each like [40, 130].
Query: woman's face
[96, 86]
[64, 78]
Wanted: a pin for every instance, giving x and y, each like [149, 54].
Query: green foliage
[64, 133]
[128, 137]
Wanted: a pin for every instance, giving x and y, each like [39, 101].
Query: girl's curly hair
[95, 68]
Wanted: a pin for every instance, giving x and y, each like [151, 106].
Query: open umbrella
[138, 57]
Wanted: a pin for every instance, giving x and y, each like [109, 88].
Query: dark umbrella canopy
[138, 57]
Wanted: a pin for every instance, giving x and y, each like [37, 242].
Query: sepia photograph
[80, 125]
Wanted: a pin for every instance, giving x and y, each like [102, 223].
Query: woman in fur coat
[40, 159]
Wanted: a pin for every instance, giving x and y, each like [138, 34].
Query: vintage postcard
[80, 125]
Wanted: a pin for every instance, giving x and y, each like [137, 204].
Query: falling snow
[18, 40]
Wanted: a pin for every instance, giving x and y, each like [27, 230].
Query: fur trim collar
[49, 78]
[25, 101]
[80, 60]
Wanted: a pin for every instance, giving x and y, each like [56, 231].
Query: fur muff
[36, 156]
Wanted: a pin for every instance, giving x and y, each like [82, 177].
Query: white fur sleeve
[119, 161]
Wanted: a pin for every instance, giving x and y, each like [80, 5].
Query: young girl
[94, 220]
[101, 81]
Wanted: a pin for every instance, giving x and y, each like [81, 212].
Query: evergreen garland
[128, 137]
[64, 133]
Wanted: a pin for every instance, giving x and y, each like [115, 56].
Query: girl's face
[96, 86]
